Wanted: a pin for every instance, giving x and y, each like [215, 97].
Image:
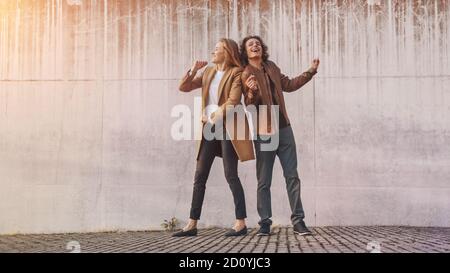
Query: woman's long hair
[232, 57]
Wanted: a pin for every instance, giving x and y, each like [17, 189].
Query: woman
[221, 88]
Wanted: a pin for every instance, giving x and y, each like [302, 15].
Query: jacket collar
[210, 76]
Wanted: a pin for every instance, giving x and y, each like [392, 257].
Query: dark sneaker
[264, 230]
[301, 229]
[233, 232]
[191, 232]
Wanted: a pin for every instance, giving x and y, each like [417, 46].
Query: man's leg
[287, 153]
[264, 169]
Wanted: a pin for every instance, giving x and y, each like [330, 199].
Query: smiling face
[253, 48]
[218, 56]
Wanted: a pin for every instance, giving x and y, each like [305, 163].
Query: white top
[213, 96]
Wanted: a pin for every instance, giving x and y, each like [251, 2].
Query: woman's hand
[204, 119]
[198, 65]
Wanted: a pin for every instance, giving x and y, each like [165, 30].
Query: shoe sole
[263, 234]
[235, 235]
[302, 233]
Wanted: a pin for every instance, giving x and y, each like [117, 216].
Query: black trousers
[208, 151]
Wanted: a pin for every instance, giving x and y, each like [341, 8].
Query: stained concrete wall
[87, 88]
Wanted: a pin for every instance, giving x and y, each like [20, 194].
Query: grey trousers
[287, 153]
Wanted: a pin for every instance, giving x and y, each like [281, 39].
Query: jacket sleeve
[290, 85]
[190, 82]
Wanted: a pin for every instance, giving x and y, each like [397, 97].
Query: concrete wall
[87, 87]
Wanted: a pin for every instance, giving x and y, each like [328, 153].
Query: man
[263, 86]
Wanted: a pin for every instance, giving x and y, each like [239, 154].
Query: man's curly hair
[244, 56]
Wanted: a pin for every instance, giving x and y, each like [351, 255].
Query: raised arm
[290, 85]
[190, 81]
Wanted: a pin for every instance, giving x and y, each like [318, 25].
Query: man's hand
[198, 65]
[252, 84]
[315, 64]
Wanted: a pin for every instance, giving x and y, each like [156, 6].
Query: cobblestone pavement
[283, 240]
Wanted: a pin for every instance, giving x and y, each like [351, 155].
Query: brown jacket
[280, 82]
[230, 94]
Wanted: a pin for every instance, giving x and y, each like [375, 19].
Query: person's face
[218, 56]
[253, 48]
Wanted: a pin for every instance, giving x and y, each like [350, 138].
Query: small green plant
[170, 225]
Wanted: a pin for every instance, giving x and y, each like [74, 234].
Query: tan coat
[281, 83]
[230, 93]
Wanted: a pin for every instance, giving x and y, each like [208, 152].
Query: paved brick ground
[283, 240]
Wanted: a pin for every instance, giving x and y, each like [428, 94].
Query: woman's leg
[206, 158]
[230, 164]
